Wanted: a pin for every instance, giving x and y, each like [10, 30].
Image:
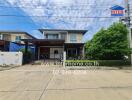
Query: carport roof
[45, 42]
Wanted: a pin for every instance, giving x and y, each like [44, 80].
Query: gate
[52, 60]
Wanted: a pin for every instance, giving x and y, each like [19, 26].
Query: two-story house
[56, 41]
[8, 37]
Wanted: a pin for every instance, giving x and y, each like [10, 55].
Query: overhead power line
[58, 4]
[55, 7]
[59, 16]
[51, 21]
[66, 7]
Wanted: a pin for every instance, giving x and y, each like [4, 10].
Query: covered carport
[42, 45]
[4, 45]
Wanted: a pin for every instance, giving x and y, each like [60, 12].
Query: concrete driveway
[48, 83]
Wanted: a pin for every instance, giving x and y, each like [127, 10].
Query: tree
[110, 44]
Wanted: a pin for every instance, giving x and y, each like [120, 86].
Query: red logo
[117, 12]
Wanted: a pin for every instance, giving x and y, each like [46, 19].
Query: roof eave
[77, 31]
[18, 32]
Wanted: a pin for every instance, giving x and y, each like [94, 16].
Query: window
[72, 52]
[52, 36]
[1, 36]
[63, 36]
[18, 39]
[73, 38]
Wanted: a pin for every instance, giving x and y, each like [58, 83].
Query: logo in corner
[117, 11]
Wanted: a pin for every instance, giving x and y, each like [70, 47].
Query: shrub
[27, 57]
[97, 62]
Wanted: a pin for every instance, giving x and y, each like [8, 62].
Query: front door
[56, 53]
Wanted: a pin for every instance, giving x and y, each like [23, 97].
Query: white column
[1, 37]
[64, 58]
[83, 52]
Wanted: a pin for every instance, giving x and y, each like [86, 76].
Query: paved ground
[47, 83]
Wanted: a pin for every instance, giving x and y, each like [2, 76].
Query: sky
[31, 15]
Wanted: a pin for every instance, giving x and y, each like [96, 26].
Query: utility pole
[128, 24]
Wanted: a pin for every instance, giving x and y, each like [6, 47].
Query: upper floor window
[52, 36]
[63, 36]
[73, 38]
[18, 38]
[1, 36]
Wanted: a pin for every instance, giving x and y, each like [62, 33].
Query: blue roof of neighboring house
[116, 7]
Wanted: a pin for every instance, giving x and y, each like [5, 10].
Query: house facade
[55, 42]
[8, 38]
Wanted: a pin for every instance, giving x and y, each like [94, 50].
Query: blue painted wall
[13, 47]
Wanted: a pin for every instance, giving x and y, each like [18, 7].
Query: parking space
[54, 83]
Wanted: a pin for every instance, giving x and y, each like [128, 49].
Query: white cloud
[63, 1]
[59, 10]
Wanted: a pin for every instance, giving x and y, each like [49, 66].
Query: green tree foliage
[27, 57]
[110, 44]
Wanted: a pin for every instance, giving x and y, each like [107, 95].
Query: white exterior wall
[79, 37]
[11, 58]
[60, 52]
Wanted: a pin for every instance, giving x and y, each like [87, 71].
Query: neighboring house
[55, 42]
[10, 39]
[4, 45]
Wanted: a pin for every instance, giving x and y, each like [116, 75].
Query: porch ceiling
[75, 45]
